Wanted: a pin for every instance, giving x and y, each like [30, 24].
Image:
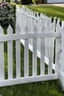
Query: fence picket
[58, 29]
[22, 18]
[50, 57]
[47, 40]
[53, 39]
[26, 55]
[51, 50]
[10, 54]
[34, 66]
[29, 23]
[42, 66]
[1, 57]
[18, 66]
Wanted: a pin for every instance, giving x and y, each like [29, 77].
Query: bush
[7, 14]
[26, 1]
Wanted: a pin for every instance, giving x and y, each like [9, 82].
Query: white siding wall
[53, 1]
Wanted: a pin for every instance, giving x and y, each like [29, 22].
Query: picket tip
[58, 21]
[62, 30]
[9, 30]
[18, 29]
[43, 28]
[62, 23]
[26, 29]
[35, 29]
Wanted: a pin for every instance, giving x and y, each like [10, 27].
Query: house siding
[55, 1]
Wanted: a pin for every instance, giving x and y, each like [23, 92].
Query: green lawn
[47, 88]
[52, 11]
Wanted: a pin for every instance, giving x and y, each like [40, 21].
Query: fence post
[61, 71]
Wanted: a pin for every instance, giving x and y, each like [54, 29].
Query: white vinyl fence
[44, 38]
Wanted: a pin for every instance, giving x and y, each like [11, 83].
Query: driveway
[61, 5]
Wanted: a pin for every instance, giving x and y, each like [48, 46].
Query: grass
[53, 11]
[46, 88]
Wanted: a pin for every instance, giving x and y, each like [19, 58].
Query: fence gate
[41, 38]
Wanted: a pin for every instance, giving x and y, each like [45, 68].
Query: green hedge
[7, 14]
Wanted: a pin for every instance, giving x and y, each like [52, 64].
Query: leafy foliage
[7, 14]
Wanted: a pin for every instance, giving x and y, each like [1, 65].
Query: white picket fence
[43, 47]
[41, 36]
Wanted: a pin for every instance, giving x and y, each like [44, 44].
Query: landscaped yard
[47, 88]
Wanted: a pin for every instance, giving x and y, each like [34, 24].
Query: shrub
[26, 1]
[7, 14]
